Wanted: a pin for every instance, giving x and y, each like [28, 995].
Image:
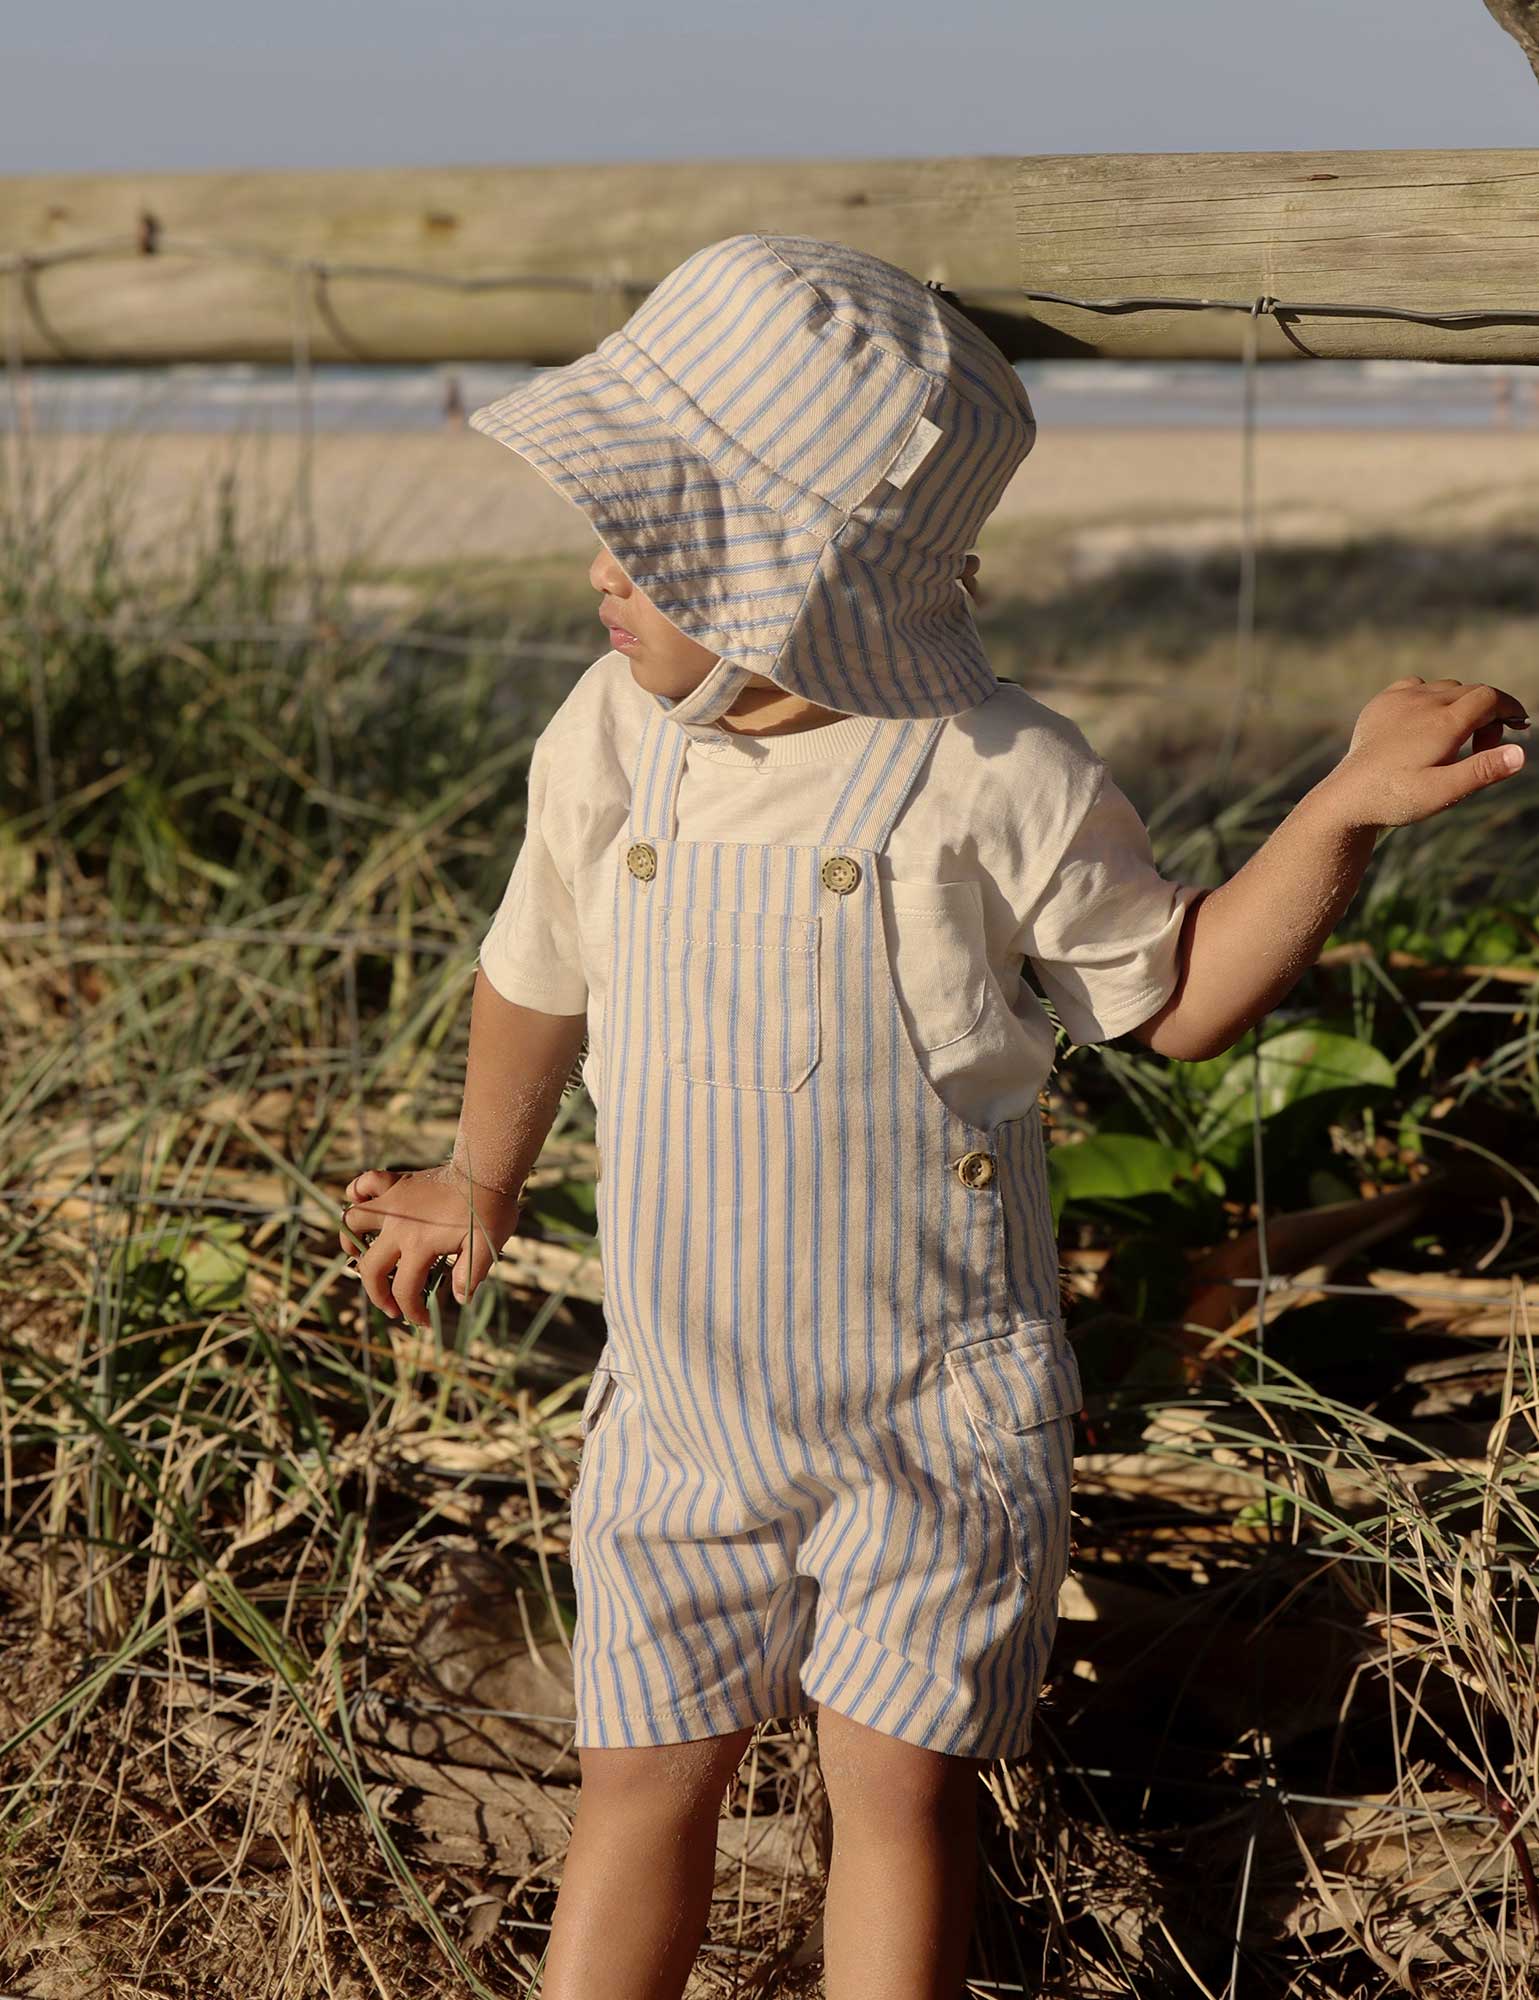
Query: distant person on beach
[790, 844]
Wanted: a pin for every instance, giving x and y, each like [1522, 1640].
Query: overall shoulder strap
[655, 778]
[660, 759]
[883, 777]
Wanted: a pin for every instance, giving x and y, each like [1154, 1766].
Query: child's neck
[763, 709]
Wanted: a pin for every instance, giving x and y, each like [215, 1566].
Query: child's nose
[604, 573]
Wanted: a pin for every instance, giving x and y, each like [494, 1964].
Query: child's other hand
[1404, 761]
[414, 1220]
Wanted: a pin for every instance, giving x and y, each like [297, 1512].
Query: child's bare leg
[903, 1874]
[636, 1882]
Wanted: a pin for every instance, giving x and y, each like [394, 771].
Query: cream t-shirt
[1014, 843]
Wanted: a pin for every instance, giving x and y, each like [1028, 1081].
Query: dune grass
[283, 1597]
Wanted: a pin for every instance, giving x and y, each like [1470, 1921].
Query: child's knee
[662, 1783]
[878, 1779]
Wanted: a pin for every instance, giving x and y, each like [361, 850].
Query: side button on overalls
[827, 1450]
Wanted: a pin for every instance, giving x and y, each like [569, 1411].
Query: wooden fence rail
[535, 264]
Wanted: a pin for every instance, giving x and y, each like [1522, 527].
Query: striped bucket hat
[790, 446]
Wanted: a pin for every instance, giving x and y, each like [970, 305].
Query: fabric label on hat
[912, 453]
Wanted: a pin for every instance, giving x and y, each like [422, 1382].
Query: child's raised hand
[1404, 761]
[415, 1219]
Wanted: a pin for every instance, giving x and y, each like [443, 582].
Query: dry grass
[283, 1593]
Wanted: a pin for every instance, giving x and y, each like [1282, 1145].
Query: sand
[430, 498]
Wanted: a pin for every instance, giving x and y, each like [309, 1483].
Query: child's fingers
[476, 1258]
[360, 1223]
[410, 1284]
[1482, 704]
[366, 1219]
[1449, 783]
[375, 1268]
[357, 1220]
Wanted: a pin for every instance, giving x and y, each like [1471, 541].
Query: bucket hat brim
[756, 569]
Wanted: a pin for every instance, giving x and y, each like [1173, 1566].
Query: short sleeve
[531, 953]
[1104, 935]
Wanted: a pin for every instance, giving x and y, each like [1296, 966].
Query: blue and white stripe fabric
[790, 446]
[827, 1451]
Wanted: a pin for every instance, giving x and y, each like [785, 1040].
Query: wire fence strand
[620, 289]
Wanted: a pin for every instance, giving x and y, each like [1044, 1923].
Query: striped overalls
[827, 1449]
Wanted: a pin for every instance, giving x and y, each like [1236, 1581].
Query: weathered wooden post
[535, 264]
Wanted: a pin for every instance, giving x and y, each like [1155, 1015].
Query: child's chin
[656, 680]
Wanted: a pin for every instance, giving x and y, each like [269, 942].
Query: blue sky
[98, 86]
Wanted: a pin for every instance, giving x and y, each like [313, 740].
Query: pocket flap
[1014, 1381]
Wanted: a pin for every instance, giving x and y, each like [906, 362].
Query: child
[788, 844]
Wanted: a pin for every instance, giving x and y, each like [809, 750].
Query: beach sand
[1380, 553]
[432, 498]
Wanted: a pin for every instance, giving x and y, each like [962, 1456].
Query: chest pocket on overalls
[741, 997]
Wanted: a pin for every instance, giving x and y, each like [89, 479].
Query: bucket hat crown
[790, 446]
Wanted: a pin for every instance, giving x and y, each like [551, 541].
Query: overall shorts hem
[861, 1679]
[682, 1722]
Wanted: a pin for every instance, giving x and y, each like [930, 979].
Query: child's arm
[1245, 943]
[518, 1066]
